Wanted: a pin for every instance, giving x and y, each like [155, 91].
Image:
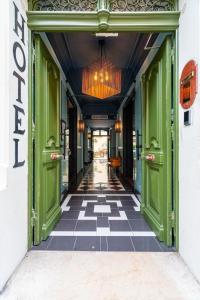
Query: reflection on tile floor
[100, 178]
[102, 223]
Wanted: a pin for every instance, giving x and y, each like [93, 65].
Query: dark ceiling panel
[78, 50]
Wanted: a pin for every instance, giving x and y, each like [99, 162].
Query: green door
[157, 144]
[47, 162]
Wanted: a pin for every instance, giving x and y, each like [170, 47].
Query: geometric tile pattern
[109, 222]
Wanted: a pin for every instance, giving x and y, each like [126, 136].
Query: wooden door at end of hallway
[157, 196]
[47, 152]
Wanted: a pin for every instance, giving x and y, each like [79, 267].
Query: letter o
[21, 67]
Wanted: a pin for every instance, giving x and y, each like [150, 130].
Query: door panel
[47, 141]
[157, 144]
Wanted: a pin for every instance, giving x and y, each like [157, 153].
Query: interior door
[157, 143]
[47, 142]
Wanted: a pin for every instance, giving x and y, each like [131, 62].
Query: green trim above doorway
[103, 20]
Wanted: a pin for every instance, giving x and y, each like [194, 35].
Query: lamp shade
[101, 80]
[81, 126]
[118, 126]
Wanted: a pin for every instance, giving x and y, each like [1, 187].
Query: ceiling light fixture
[102, 79]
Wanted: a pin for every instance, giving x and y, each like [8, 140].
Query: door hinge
[172, 219]
[33, 218]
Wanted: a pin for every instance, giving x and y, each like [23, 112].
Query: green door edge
[30, 137]
[176, 138]
[142, 21]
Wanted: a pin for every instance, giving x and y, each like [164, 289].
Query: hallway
[103, 139]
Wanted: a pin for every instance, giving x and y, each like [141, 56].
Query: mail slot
[188, 84]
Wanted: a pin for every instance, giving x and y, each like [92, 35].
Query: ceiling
[78, 50]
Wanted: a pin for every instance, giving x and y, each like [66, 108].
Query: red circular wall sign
[188, 84]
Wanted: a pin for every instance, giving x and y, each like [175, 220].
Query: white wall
[13, 188]
[189, 180]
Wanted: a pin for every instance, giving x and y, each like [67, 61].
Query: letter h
[18, 25]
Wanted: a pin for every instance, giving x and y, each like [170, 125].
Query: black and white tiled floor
[100, 178]
[102, 222]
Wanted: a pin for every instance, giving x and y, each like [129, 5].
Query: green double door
[157, 143]
[47, 156]
[157, 159]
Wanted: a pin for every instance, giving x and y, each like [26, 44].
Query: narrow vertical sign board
[19, 71]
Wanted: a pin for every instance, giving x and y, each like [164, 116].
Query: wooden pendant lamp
[102, 79]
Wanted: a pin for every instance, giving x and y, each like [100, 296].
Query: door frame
[106, 21]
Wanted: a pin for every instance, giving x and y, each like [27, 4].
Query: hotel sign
[20, 65]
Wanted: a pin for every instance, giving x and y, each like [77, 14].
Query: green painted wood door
[157, 143]
[47, 142]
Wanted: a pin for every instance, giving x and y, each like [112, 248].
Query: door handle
[150, 157]
[56, 156]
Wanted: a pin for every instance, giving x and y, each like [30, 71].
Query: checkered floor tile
[100, 178]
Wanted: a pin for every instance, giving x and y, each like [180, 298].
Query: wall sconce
[118, 126]
[81, 126]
